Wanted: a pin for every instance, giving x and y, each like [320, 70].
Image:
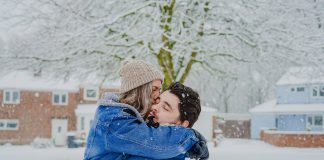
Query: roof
[302, 75]
[273, 107]
[86, 109]
[234, 116]
[25, 80]
[208, 109]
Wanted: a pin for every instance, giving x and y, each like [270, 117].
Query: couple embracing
[139, 123]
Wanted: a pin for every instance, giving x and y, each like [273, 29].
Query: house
[35, 106]
[295, 117]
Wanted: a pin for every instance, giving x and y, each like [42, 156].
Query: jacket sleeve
[199, 150]
[125, 134]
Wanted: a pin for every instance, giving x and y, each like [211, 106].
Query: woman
[119, 131]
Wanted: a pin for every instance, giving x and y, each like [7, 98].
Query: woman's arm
[125, 134]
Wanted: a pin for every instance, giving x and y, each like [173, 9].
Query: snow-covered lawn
[239, 149]
[30, 153]
[229, 149]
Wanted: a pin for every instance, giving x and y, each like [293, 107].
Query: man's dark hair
[189, 106]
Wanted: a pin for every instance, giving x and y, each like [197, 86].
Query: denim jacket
[116, 134]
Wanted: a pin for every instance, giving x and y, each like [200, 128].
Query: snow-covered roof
[302, 75]
[208, 109]
[234, 116]
[25, 80]
[114, 84]
[94, 80]
[86, 109]
[273, 107]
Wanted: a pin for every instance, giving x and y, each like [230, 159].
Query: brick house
[34, 106]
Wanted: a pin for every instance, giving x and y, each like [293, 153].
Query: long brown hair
[139, 97]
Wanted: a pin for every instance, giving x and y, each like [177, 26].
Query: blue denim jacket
[116, 134]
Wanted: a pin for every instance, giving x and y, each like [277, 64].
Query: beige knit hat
[134, 73]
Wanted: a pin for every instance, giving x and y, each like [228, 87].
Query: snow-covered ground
[239, 149]
[229, 149]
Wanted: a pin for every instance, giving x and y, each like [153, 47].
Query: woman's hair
[139, 97]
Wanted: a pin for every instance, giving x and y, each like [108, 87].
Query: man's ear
[184, 123]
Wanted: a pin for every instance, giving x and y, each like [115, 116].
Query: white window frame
[6, 121]
[60, 93]
[85, 96]
[313, 120]
[318, 91]
[11, 91]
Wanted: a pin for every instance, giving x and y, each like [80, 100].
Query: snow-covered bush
[41, 143]
[7, 144]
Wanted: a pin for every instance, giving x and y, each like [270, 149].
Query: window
[60, 98]
[9, 124]
[318, 91]
[91, 93]
[310, 121]
[2, 125]
[315, 91]
[11, 97]
[82, 123]
[322, 91]
[315, 121]
[318, 120]
[300, 89]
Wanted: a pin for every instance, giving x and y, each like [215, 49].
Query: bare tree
[201, 39]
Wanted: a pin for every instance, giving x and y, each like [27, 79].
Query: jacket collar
[112, 99]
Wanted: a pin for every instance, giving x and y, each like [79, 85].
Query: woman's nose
[154, 108]
[156, 101]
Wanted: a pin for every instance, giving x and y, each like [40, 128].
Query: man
[179, 105]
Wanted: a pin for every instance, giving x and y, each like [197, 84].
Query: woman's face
[156, 87]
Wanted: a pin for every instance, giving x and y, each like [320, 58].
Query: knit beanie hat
[134, 73]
